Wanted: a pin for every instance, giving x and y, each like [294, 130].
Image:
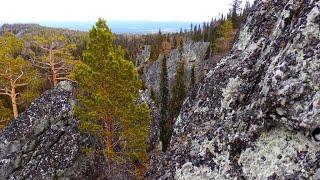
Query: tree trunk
[108, 133]
[108, 122]
[52, 64]
[14, 103]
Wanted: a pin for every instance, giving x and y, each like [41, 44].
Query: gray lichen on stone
[229, 92]
[278, 151]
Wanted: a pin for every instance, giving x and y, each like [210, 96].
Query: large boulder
[256, 115]
[44, 142]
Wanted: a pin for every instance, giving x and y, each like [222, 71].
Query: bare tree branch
[21, 74]
[41, 46]
[42, 67]
[60, 62]
[5, 92]
[40, 62]
[22, 84]
[63, 73]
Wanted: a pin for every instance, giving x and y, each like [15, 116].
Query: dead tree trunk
[53, 69]
[14, 102]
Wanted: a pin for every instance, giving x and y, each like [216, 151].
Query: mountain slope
[257, 113]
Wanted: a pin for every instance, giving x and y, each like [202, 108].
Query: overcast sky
[90, 10]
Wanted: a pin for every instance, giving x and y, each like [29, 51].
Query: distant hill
[120, 27]
[35, 29]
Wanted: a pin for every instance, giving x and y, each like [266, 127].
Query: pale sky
[91, 10]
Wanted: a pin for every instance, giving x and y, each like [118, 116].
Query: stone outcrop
[194, 53]
[256, 115]
[44, 142]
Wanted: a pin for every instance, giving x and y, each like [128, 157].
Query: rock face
[156, 155]
[194, 53]
[44, 143]
[154, 137]
[256, 115]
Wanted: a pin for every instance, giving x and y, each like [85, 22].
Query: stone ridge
[256, 115]
[44, 143]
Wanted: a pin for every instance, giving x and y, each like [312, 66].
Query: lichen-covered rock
[44, 143]
[256, 115]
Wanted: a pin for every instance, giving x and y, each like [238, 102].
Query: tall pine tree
[108, 88]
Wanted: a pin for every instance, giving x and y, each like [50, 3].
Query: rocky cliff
[44, 142]
[256, 115]
[194, 53]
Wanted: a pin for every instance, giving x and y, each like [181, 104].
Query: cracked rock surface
[256, 115]
[44, 143]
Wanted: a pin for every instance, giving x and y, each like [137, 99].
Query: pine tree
[164, 91]
[16, 74]
[54, 57]
[108, 88]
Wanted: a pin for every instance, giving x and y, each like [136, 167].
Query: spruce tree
[164, 92]
[178, 89]
[235, 8]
